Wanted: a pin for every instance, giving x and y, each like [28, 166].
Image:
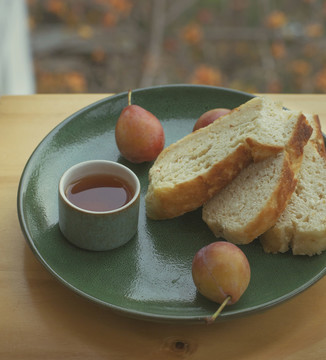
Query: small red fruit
[221, 273]
[210, 116]
[139, 134]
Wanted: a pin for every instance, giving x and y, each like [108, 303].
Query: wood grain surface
[41, 319]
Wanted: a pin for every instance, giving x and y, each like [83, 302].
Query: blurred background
[104, 46]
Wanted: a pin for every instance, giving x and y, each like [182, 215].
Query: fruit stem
[212, 318]
[129, 97]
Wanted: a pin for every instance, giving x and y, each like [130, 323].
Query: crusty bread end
[189, 172]
[253, 202]
[302, 225]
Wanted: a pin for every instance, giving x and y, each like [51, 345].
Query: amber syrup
[99, 192]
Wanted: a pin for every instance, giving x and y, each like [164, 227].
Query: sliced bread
[302, 225]
[189, 172]
[253, 202]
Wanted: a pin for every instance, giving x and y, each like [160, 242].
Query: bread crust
[286, 235]
[318, 140]
[169, 202]
[271, 212]
[300, 137]
[287, 184]
[260, 152]
[278, 199]
[172, 200]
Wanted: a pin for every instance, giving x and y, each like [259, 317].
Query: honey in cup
[99, 204]
[99, 192]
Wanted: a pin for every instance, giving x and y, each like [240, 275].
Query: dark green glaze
[150, 276]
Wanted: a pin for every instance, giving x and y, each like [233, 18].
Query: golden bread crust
[318, 139]
[167, 198]
[287, 184]
[273, 209]
[290, 232]
[260, 152]
[169, 202]
[277, 200]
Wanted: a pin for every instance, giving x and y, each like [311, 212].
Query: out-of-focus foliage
[114, 45]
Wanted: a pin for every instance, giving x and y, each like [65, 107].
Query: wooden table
[42, 319]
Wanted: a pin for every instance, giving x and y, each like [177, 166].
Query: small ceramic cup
[98, 230]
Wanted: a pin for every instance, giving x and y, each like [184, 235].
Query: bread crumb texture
[247, 206]
[302, 225]
[189, 172]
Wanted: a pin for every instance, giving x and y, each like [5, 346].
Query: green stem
[212, 318]
[129, 97]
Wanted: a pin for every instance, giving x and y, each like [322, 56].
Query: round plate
[149, 277]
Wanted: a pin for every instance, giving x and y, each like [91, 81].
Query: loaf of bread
[189, 172]
[302, 225]
[254, 201]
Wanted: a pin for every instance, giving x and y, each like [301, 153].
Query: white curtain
[16, 66]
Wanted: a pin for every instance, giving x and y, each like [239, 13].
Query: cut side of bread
[254, 201]
[302, 225]
[189, 172]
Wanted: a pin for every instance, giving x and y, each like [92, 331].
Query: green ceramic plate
[149, 277]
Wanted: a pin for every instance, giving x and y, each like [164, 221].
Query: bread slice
[302, 225]
[253, 202]
[189, 172]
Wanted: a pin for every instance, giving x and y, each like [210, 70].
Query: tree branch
[153, 56]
